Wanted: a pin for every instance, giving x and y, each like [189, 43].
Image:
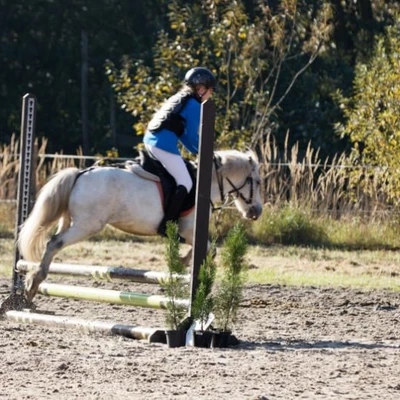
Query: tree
[310, 111]
[249, 57]
[373, 113]
[41, 53]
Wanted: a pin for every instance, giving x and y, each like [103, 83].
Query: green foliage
[46, 60]
[373, 114]
[175, 288]
[230, 290]
[248, 56]
[203, 302]
[288, 225]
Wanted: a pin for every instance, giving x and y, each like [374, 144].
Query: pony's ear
[252, 163]
[252, 155]
[217, 160]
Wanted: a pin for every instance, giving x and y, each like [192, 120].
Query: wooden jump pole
[103, 272]
[106, 296]
[108, 328]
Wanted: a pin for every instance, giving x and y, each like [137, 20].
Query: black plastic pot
[202, 338]
[176, 338]
[220, 339]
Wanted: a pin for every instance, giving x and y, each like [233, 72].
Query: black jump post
[203, 191]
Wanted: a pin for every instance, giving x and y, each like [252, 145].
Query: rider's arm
[190, 137]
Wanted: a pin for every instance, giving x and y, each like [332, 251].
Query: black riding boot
[173, 209]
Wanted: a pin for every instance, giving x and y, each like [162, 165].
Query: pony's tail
[51, 203]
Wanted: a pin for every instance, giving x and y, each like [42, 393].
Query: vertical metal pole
[25, 195]
[203, 191]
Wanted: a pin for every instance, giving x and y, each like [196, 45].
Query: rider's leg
[173, 209]
[175, 165]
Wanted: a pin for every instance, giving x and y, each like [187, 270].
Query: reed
[291, 177]
[9, 166]
[325, 187]
[45, 167]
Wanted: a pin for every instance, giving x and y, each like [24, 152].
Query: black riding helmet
[200, 76]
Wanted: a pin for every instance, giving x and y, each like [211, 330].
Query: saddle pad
[138, 170]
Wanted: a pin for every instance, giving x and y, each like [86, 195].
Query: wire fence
[272, 164]
[320, 187]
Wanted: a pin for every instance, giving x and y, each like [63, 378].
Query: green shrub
[288, 225]
[203, 302]
[175, 289]
[234, 274]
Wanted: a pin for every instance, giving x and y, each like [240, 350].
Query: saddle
[151, 169]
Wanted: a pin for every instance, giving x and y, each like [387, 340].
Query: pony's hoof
[31, 284]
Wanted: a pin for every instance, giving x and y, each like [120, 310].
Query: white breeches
[174, 164]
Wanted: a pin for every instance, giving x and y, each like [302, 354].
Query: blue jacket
[167, 140]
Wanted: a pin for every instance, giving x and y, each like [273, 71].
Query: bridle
[235, 191]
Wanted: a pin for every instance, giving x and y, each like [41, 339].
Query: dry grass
[286, 265]
[45, 167]
[300, 179]
[304, 180]
[9, 166]
[330, 187]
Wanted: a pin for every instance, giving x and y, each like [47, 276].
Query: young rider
[178, 120]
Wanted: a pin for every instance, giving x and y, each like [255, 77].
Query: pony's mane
[232, 155]
[234, 159]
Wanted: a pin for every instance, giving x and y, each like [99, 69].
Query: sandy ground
[295, 343]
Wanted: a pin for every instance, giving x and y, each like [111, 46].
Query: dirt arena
[295, 343]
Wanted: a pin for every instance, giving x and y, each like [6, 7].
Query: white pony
[83, 202]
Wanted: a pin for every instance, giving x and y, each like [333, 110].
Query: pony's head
[238, 175]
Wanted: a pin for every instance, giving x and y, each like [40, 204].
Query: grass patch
[289, 225]
[356, 233]
[306, 266]
[286, 225]
[288, 246]
[321, 279]
[275, 264]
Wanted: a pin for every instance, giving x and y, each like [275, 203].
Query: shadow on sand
[285, 345]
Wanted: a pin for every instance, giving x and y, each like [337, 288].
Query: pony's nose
[254, 212]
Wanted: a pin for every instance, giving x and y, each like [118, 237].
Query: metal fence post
[25, 195]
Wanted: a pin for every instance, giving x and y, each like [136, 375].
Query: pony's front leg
[187, 258]
[35, 277]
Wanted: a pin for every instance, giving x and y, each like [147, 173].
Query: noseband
[235, 191]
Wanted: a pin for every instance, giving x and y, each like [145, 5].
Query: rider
[178, 120]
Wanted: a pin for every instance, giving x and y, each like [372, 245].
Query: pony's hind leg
[72, 235]
[36, 276]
